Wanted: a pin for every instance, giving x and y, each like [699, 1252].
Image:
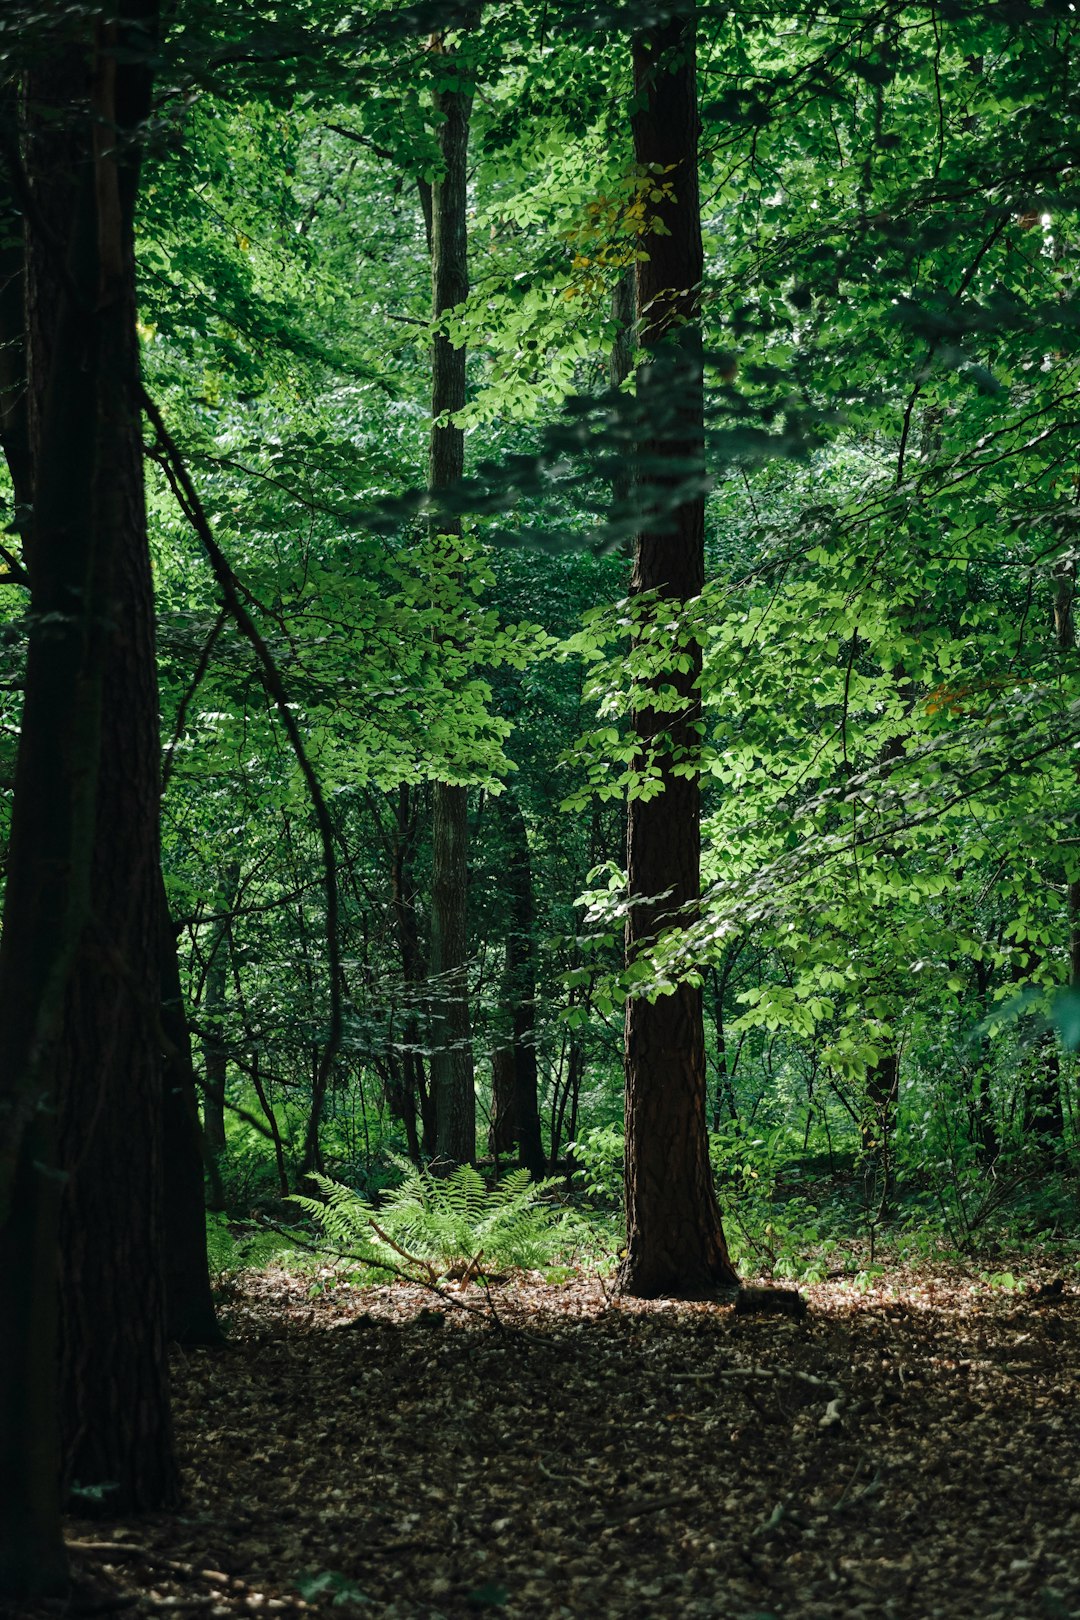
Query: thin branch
[185, 702]
[187, 497]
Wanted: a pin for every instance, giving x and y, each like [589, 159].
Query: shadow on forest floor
[910, 1452]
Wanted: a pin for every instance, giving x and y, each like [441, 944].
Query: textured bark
[451, 1061]
[675, 1240]
[114, 1371]
[79, 1027]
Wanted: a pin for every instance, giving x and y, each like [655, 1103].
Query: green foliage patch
[437, 1226]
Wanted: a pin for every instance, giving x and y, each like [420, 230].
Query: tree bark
[114, 1369]
[675, 1240]
[79, 1029]
[451, 1060]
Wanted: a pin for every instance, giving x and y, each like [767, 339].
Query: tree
[675, 1240]
[451, 1058]
[79, 954]
[515, 1117]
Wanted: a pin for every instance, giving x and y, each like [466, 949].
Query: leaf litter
[911, 1451]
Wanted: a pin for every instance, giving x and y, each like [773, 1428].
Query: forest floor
[908, 1451]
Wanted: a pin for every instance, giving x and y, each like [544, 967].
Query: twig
[402, 1276]
[758, 1372]
[133, 1552]
[185, 702]
[636, 1510]
[413, 1259]
[849, 1497]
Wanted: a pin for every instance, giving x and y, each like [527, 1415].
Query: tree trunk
[451, 1060]
[190, 1317]
[620, 365]
[675, 1240]
[215, 1055]
[520, 986]
[403, 890]
[451, 1056]
[79, 1055]
[114, 1369]
[502, 1137]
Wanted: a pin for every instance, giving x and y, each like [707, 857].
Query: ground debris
[909, 1451]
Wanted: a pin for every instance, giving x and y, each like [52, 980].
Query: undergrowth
[430, 1227]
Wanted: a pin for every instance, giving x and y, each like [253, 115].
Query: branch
[187, 498]
[185, 702]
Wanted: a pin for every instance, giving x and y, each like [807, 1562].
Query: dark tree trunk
[502, 1138]
[215, 1052]
[14, 413]
[882, 1089]
[451, 1056]
[403, 890]
[114, 1370]
[190, 1317]
[675, 1240]
[620, 365]
[451, 1061]
[520, 991]
[79, 992]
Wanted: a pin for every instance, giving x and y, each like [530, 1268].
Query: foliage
[598, 1157]
[452, 1223]
[242, 1245]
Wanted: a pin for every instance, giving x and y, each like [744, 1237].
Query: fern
[443, 1223]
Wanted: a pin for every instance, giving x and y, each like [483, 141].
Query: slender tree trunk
[501, 1134]
[451, 1056]
[451, 1061]
[215, 1055]
[521, 990]
[515, 1103]
[620, 365]
[190, 1315]
[403, 890]
[675, 1240]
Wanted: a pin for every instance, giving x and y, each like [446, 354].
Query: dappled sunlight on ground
[912, 1450]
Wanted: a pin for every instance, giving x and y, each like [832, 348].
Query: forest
[540, 808]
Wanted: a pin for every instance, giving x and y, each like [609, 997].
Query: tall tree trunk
[79, 1034]
[451, 1061]
[675, 1240]
[114, 1370]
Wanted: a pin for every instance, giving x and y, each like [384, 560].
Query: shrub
[443, 1225]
